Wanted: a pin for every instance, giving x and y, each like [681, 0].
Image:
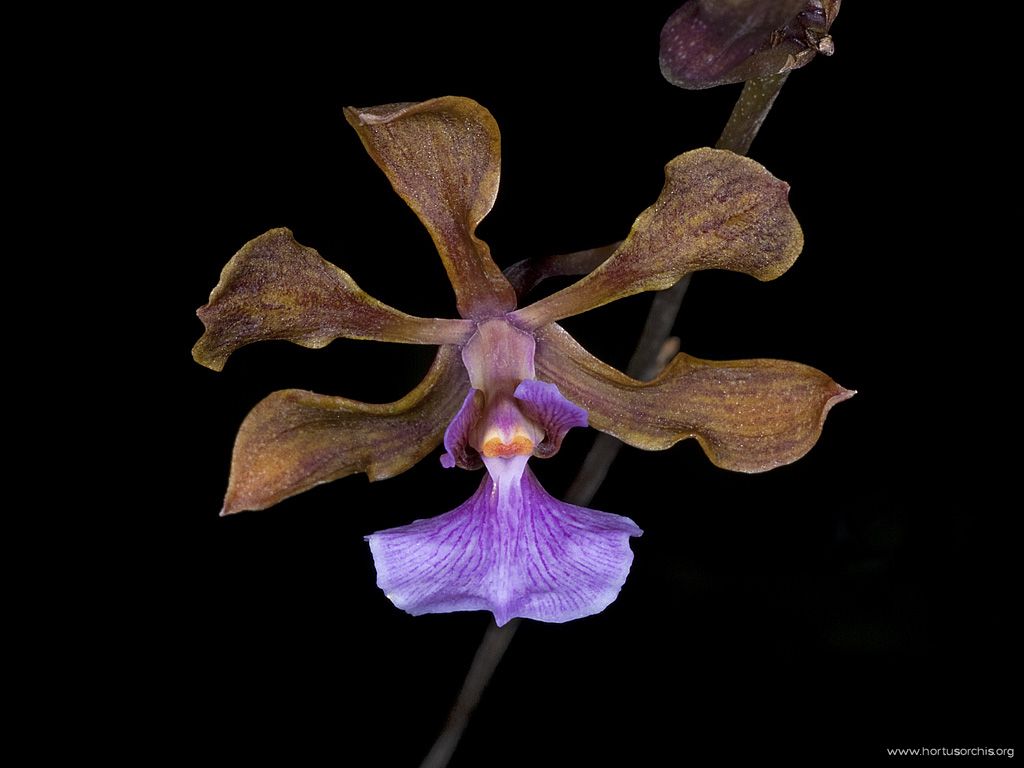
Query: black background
[854, 600]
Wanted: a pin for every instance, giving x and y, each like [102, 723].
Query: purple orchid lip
[509, 383]
[511, 549]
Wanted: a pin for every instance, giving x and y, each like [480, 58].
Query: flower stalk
[748, 114]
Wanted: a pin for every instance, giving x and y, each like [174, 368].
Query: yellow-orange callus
[496, 447]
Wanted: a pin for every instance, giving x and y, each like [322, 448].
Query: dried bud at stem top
[712, 42]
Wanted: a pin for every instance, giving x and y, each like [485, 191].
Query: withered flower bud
[713, 42]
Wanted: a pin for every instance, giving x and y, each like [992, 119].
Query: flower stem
[492, 648]
[752, 106]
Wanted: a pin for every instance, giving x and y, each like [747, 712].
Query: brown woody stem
[492, 648]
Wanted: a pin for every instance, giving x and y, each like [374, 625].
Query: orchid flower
[509, 383]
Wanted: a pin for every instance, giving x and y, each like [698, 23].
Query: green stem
[751, 108]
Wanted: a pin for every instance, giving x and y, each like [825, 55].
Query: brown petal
[274, 288]
[748, 415]
[717, 211]
[443, 157]
[293, 439]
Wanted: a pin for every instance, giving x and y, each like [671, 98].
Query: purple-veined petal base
[511, 549]
[458, 451]
[551, 411]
